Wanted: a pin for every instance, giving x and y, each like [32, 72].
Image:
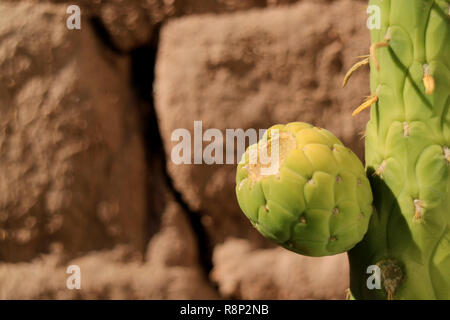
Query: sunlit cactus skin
[407, 163]
[407, 153]
[318, 200]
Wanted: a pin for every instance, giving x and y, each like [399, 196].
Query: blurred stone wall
[86, 118]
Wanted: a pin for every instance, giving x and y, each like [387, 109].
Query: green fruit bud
[302, 188]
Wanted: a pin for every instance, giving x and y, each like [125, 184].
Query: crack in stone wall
[143, 61]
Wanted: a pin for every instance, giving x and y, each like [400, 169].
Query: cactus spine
[407, 154]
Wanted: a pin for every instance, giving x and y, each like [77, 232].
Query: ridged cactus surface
[314, 200]
[318, 201]
[407, 154]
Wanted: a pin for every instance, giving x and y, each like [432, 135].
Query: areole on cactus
[318, 201]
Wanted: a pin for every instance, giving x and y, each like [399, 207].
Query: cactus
[316, 201]
[407, 163]
[407, 157]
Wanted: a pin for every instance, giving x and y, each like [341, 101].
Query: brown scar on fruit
[286, 143]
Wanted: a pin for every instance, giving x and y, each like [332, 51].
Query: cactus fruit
[407, 163]
[316, 201]
[407, 158]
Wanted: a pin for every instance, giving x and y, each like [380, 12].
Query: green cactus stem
[407, 140]
[311, 203]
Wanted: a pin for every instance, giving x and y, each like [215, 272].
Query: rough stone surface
[72, 164]
[232, 71]
[175, 244]
[128, 23]
[111, 274]
[243, 272]
[170, 269]
[133, 23]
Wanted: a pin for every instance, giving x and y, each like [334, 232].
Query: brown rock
[253, 70]
[104, 275]
[242, 272]
[128, 23]
[170, 270]
[133, 23]
[72, 167]
[175, 244]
